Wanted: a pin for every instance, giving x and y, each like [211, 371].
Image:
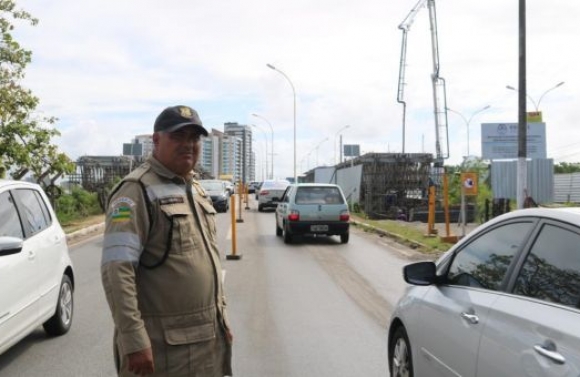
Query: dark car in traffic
[219, 193]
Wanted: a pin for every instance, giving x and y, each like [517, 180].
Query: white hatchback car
[312, 209]
[270, 193]
[505, 301]
[36, 273]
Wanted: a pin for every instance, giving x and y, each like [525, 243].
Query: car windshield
[212, 186]
[318, 195]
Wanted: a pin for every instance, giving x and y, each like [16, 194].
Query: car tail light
[264, 192]
[294, 216]
[344, 216]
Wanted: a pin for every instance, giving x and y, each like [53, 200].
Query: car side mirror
[420, 273]
[10, 245]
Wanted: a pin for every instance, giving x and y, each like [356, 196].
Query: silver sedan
[505, 301]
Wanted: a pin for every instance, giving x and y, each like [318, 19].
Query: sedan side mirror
[420, 273]
[10, 245]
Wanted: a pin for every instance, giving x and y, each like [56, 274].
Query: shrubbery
[77, 205]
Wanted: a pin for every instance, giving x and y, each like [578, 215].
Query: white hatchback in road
[505, 301]
[270, 193]
[312, 209]
[36, 273]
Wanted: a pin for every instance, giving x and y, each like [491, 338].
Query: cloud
[106, 68]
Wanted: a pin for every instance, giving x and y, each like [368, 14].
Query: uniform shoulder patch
[122, 209]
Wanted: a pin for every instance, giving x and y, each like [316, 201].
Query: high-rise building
[221, 155]
[231, 157]
[226, 155]
[140, 146]
[243, 132]
[210, 153]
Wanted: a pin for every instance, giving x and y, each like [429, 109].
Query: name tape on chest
[171, 200]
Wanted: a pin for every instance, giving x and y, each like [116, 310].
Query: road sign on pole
[469, 183]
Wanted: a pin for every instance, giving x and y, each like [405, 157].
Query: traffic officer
[160, 265]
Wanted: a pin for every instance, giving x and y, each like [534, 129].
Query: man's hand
[141, 362]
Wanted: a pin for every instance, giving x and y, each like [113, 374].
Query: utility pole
[522, 168]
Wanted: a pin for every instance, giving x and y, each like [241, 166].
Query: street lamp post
[468, 121]
[335, 135]
[307, 156]
[266, 139]
[522, 118]
[271, 144]
[536, 104]
[294, 93]
[318, 146]
[302, 160]
[262, 163]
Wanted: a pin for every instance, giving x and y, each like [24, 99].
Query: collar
[161, 170]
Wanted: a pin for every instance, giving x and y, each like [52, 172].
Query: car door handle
[31, 255]
[548, 349]
[471, 318]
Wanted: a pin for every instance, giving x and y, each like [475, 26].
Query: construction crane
[439, 94]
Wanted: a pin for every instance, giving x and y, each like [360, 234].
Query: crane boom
[405, 26]
[438, 83]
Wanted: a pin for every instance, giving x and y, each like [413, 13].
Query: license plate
[319, 228]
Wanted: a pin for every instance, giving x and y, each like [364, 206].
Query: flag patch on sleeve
[122, 210]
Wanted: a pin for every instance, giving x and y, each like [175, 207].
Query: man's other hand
[141, 362]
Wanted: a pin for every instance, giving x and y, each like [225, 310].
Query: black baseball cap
[176, 117]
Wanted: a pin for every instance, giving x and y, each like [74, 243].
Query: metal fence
[567, 188]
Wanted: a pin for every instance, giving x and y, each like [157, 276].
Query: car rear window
[318, 195]
[212, 186]
[275, 185]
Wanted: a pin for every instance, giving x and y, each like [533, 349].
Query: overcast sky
[107, 68]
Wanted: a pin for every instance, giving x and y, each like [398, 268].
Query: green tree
[474, 165]
[77, 204]
[24, 137]
[567, 167]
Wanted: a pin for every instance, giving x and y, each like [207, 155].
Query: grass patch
[407, 234]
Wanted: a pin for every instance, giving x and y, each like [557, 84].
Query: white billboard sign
[500, 141]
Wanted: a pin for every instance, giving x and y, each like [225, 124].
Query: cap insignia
[185, 112]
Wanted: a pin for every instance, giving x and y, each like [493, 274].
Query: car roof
[315, 185]
[276, 180]
[9, 182]
[570, 215]
[567, 214]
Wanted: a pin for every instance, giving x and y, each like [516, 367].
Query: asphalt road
[312, 308]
